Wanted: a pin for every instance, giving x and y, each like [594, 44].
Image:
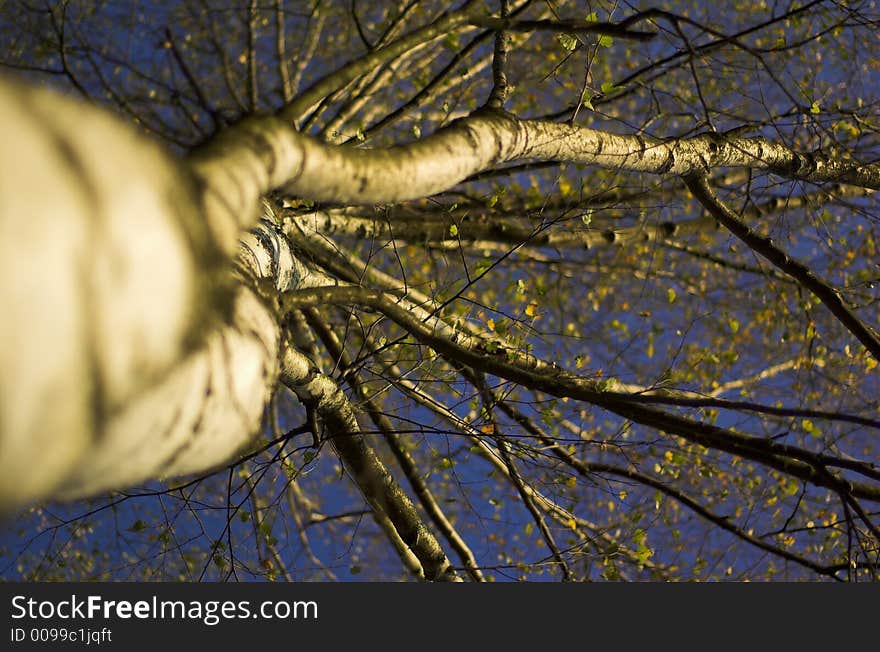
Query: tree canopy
[487, 291]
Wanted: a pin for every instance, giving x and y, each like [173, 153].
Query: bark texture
[109, 275]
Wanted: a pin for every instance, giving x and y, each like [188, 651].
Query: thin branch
[500, 86]
[494, 357]
[190, 79]
[373, 478]
[617, 30]
[354, 69]
[589, 469]
[631, 395]
[762, 245]
[253, 93]
[768, 372]
[489, 402]
[308, 46]
[281, 53]
[60, 32]
[265, 537]
[702, 50]
[441, 81]
[295, 498]
[397, 446]
[537, 517]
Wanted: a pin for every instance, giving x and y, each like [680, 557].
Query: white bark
[108, 273]
[269, 153]
[203, 413]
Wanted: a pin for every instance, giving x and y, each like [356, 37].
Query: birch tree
[474, 292]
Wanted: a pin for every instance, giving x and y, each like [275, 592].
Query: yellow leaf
[564, 187]
[530, 309]
[808, 425]
[491, 324]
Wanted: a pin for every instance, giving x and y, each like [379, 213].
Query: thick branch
[492, 356]
[398, 448]
[372, 477]
[262, 154]
[500, 86]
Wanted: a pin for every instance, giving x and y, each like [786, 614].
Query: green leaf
[670, 295]
[592, 17]
[482, 266]
[639, 536]
[814, 108]
[417, 131]
[137, 526]
[609, 87]
[453, 230]
[605, 41]
[496, 196]
[567, 41]
[587, 217]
